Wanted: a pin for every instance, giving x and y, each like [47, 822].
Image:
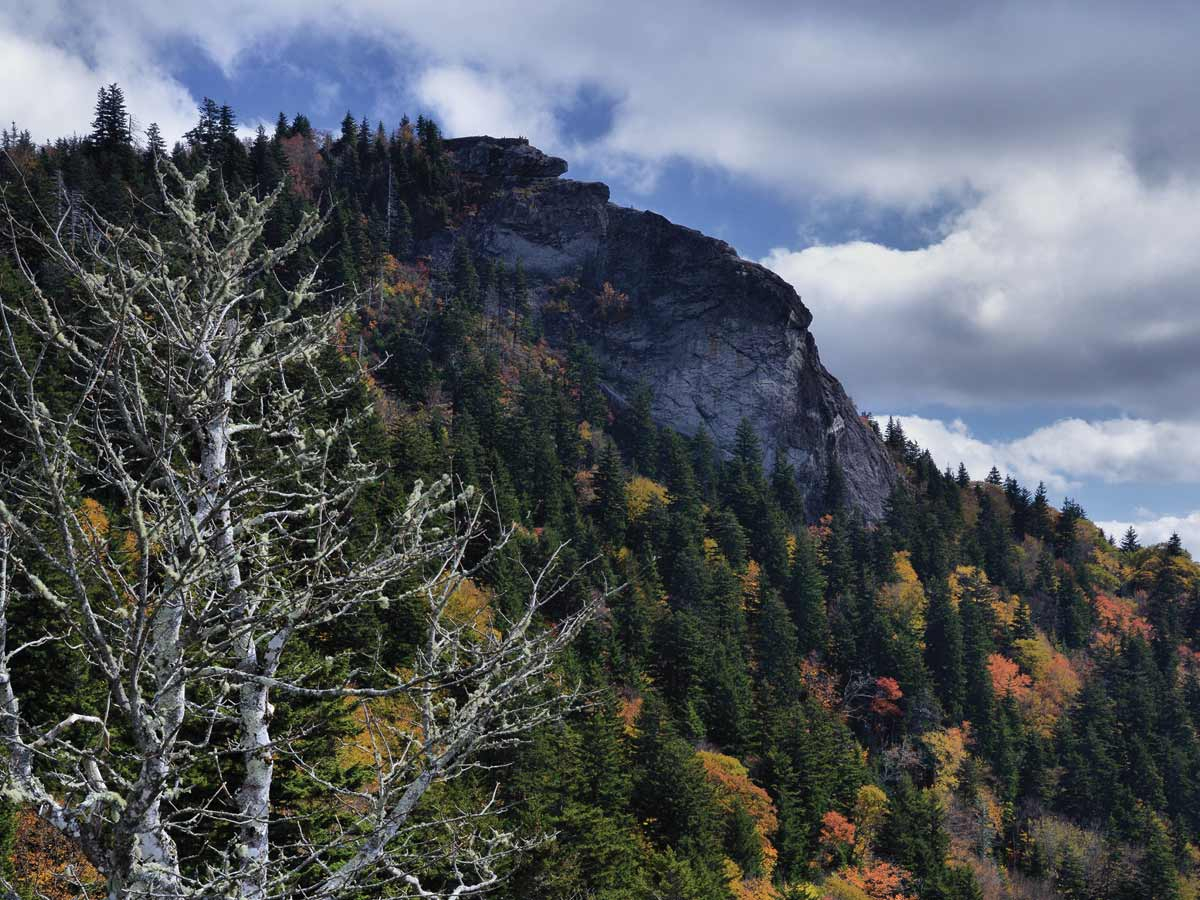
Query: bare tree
[191, 372]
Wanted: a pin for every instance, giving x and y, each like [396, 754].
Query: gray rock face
[717, 338]
[488, 157]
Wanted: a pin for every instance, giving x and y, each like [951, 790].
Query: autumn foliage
[641, 493]
[1118, 618]
[880, 881]
[887, 695]
[837, 838]
[47, 864]
[1007, 678]
[734, 789]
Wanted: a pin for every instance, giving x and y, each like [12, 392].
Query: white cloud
[1069, 285]
[471, 102]
[52, 91]
[1155, 530]
[1067, 274]
[1070, 279]
[1070, 451]
[899, 108]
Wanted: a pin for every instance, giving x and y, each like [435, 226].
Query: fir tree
[727, 531]
[1174, 545]
[1159, 876]
[156, 147]
[786, 490]
[466, 278]
[835, 485]
[1039, 514]
[944, 651]
[110, 127]
[641, 432]
[610, 496]
[804, 595]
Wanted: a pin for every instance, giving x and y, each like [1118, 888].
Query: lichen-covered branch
[190, 372]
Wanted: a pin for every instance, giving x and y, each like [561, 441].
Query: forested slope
[978, 695]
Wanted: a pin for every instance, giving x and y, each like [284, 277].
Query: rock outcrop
[717, 338]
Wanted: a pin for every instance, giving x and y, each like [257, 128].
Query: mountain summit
[716, 337]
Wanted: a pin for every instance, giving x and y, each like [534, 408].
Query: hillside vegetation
[979, 695]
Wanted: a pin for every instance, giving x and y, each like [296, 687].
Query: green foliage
[745, 622]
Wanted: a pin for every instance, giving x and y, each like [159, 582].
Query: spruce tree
[156, 147]
[804, 595]
[110, 127]
[944, 651]
[1039, 514]
[466, 278]
[640, 431]
[610, 496]
[834, 498]
[1174, 545]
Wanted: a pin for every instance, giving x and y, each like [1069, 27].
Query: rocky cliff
[716, 337]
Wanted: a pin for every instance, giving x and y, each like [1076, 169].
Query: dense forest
[979, 696]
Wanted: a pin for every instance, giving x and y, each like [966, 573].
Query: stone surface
[717, 337]
[503, 158]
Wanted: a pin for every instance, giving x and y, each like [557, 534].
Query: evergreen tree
[672, 792]
[804, 595]
[835, 486]
[156, 147]
[913, 835]
[205, 137]
[1064, 530]
[727, 531]
[110, 127]
[1039, 514]
[466, 278]
[787, 491]
[640, 431]
[610, 496]
[1174, 545]
[264, 164]
[776, 650]
[944, 651]
[1159, 876]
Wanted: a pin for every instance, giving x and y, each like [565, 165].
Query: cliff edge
[718, 338]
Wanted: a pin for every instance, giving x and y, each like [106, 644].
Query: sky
[992, 210]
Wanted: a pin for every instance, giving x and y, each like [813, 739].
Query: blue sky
[991, 210]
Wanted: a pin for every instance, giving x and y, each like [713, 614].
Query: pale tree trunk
[233, 556]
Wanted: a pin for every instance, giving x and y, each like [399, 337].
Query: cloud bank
[1157, 529]
[1053, 151]
[1064, 140]
[899, 105]
[1074, 285]
[1069, 452]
